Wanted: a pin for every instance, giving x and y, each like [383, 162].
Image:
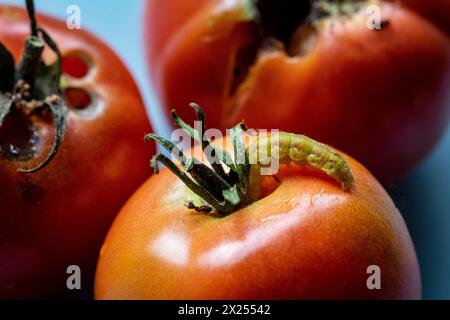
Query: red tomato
[380, 95]
[437, 11]
[306, 239]
[59, 215]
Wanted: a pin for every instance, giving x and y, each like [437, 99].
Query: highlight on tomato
[71, 122]
[313, 226]
[369, 77]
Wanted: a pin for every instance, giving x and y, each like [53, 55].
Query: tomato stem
[30, 60]
[32, 16]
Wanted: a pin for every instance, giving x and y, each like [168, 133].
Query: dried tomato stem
[31, 58]
[32, 16]
[326, 8]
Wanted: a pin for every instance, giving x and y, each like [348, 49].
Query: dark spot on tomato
[31, 192]
[385, 23]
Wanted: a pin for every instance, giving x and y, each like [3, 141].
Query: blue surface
[423, 197]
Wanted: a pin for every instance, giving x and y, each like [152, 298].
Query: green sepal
[59, 112]
[232, 195]
[5, 107]
[222, 155]
[7, 69]
[48, 77]
[219, 190]
[241, 159]
[168, 145]
[47, 80]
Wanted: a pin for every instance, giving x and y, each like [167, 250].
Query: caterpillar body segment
[288, 148]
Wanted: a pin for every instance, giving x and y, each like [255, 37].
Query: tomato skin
[437, 11]
[309, 239]
[59, 216]
[382, 96]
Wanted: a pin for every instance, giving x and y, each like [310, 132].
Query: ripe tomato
[305, 237]
[380, 95]
[437, 11]
[58, 216]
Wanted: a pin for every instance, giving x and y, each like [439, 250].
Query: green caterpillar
[301, 150]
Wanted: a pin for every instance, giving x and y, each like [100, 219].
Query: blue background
[423, 197]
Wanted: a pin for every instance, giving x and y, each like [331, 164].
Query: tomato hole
[77, 98]
[280, 19]
[276, 29]
[75, 66]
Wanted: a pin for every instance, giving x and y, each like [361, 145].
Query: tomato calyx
[32, 89]
[280, 20]
[230, 183]
[215, 189]
[333, 8]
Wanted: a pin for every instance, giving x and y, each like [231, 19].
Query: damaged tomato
[314, 67]
[71, 119]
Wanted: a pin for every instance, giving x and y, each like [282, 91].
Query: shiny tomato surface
[306, 239]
